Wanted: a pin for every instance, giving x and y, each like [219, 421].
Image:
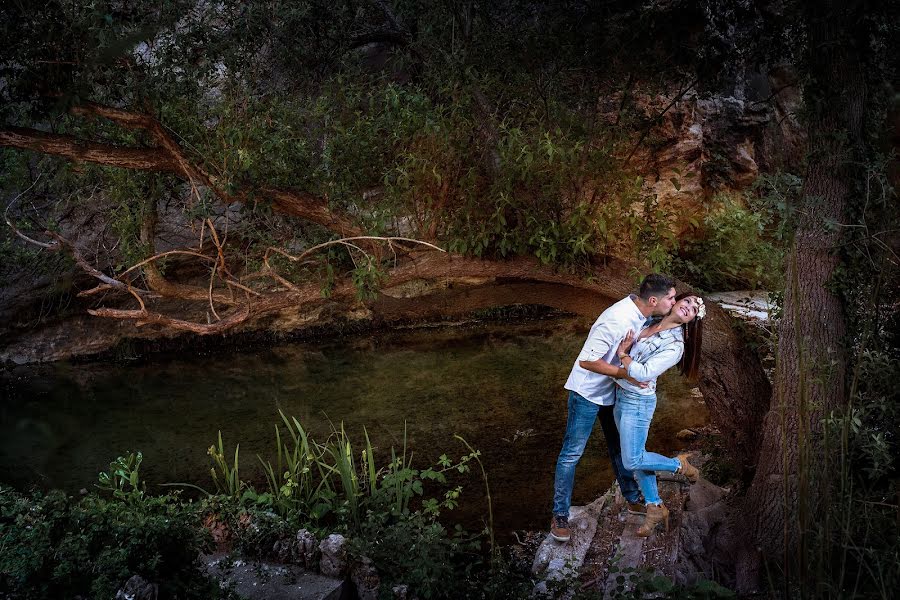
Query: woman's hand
[625, 344]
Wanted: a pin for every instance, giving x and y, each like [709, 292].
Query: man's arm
[603, 368]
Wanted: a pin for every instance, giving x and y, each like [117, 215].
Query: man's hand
[635, 382]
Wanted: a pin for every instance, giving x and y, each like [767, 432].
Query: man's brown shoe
[636, 508]
[559, 528]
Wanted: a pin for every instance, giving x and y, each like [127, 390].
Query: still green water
[497, 385]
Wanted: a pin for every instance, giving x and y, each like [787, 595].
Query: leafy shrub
[59, 546]
[735, 252]
[416, 550]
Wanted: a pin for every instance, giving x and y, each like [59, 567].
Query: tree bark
[789, 486]
[78, 150]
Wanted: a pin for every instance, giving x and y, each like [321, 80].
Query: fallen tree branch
[83, 151]
[168, 157]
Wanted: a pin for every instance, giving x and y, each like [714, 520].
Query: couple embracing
[613, 379]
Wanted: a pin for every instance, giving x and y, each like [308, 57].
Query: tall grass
[847, 509]
[225, 477]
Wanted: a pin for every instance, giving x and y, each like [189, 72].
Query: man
[592, 393]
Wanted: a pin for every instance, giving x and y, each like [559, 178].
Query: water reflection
[498, 386]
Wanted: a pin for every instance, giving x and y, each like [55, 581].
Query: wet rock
[138, 588]
[365, 577]
[400, 592]
[333, 562]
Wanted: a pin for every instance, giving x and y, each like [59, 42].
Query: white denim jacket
[651, 357]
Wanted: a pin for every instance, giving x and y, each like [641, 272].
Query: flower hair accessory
[701, 308]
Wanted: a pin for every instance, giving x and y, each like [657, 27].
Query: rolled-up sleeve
[658, 363]
[602, 338]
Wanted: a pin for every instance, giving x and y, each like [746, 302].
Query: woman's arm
[657, 364]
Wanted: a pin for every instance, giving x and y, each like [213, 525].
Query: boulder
[333, 561]
[306, 549]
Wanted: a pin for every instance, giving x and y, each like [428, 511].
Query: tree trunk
[789, 486]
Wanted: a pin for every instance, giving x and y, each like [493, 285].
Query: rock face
[705, 537]
[700, 144]
[705, 144]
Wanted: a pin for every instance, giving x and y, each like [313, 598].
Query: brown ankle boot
[687, 469]
[636, 508]
[655, 516]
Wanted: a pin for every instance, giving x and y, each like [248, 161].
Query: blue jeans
[633, 413]
[582, 415]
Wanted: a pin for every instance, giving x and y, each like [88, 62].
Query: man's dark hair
[655, 284]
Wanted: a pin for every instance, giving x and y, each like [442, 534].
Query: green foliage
[292, 481]
[735, 251]
[123, 479]
[417, 550]
[318, 480]
[55, 546]
[224, 473]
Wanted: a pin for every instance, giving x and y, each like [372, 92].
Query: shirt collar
[637, 311]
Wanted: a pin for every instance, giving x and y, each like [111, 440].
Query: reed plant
[225, 476]
[300, 481]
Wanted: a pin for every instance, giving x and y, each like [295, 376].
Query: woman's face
[685, 309]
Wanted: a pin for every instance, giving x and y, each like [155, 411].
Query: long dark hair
[693, 340]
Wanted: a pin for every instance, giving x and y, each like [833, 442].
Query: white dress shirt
[602, 342]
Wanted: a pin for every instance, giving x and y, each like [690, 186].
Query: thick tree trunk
[789, 486]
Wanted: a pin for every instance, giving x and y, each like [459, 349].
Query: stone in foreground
[557, 560]
[271, 581]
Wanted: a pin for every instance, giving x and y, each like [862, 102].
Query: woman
[674, 340]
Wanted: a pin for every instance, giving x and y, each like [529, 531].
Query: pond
[498, 385]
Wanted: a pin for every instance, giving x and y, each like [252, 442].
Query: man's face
[663, 304]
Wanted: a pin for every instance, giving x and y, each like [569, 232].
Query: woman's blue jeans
[633, 413]
[582, 416]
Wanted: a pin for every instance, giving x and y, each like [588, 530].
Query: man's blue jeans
[633, 413]
[582, 415]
